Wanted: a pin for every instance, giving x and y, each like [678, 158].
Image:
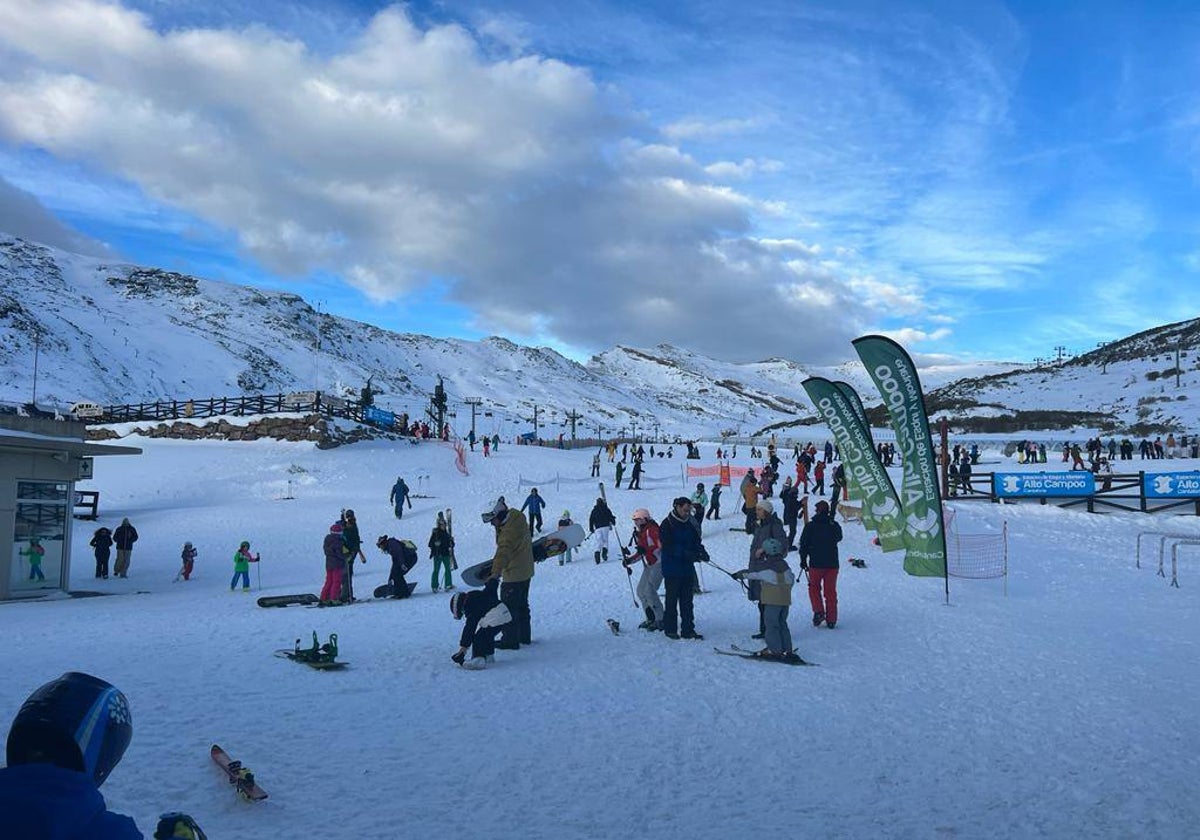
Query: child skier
[441, 547]
[486, 617]
[102, 541]
[188, 555]
[775, 595]
[563, 522]
[35, 552]
[241, 566]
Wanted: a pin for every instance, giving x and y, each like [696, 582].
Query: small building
[40, 461]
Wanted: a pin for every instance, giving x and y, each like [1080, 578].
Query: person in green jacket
[241, 566]
[35, 553]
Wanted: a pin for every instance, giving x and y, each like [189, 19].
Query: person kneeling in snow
[486, 617]
[404, 557]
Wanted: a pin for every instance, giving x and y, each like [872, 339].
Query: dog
[849, 511]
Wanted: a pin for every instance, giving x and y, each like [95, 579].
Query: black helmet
[78, 722]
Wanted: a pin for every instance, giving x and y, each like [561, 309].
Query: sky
[981, 181]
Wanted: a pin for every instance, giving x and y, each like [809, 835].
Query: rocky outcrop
[311, 427]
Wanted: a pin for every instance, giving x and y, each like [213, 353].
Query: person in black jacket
[102, 541]
[681, 550]
[819, 557]
[600, 523]
[790, 496]
[124, 537]
[403, 559]
[486, 617]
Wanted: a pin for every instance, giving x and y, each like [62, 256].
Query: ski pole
[629, 579]
[258, 571]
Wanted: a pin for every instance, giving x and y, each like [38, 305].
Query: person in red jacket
[649, 552]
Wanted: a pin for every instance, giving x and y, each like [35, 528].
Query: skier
[534, 503]
[400, 495]
[352, 540]
[335, 564]
[487, 447]
[681, 550]
[471, 439]
[699, 502]
[714, 510]
[513, 563]
[819, 557]
[790, 496]
[649, 552]
[124, 538]
[620, 472]
[819, 478]
[188, 556]
[241, 566]
[596, 465]
[766, 526]
[66, 739]
[600, 523]
[35, 552]
[403, 559]
[563, 522]
[749, 490]
[486, 617]
[441, 548]
[775, 581]
[102, 542]
[635, 478]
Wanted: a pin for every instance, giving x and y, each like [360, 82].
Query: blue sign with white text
[379, 417]
[1172, 485]
[1038, 484]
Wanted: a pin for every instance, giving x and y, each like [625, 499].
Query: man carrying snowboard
[513, 563]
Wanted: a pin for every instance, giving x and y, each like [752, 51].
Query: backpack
[408, 551]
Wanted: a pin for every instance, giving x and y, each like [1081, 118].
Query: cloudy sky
[979, 180]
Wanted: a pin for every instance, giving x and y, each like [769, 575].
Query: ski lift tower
[438, 406]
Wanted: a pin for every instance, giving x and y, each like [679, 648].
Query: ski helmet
[641, 513]
[335, 528]
[77, 722]
[772, 547]
[458, 603]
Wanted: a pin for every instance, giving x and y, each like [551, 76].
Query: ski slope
[1065, 709]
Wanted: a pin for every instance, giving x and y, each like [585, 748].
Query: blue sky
[983, 181]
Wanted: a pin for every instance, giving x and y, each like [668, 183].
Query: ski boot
[604, 555]
[596, 556]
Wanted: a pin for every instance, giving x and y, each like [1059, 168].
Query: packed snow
[1063, 708]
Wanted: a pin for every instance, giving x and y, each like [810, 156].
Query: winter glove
[177, 825]
[460, 657]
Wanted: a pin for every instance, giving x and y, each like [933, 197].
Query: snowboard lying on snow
[287, 600]
[385, 591]
[551, 545]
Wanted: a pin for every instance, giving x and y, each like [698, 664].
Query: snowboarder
[404, 557]
[66, 739]
[188, 556]
[819, 557]
[335, 564]
[600, 523]
[714, 510]
[649, 551]
[400, 495]
[513, 563]
[441, 550]
[34, 552]
[124, 538]
[486, 617]
[681, 550]
[352, 540]
[241, 566]
[102, 542]
[534, 503]
[563, 522]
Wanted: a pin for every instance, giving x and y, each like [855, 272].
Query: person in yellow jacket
[513, 564]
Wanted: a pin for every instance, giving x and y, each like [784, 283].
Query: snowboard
[551, 545]
[287, 600]
[240, 777]
[450, 531]
[742, 653]
[385, 591]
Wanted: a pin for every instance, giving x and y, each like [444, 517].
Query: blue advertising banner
[379, 417]
[1035, 485]
[1172, 485]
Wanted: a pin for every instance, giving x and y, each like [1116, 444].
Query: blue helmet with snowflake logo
[78, 722]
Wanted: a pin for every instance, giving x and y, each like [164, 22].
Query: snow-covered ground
[1065, 709]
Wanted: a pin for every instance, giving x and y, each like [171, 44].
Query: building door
[39, 538]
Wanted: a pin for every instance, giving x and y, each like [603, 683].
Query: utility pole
[599, 431]
[37, 343]
[633, 424]
[474, 402]
[572, 416]
[1178, 341]
[536, 409]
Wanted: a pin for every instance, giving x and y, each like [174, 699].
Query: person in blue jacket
[534, 503]
[681, 550]
[64, 742]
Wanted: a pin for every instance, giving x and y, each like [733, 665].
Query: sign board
[1171, 485]
[1039, 484]
[379, 417]
[85, 468]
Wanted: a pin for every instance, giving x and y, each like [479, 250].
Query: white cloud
[411, 154]
[698, 129]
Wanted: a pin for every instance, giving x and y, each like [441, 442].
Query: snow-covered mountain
[117, 333]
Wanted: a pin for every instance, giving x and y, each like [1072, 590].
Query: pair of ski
[742, 653]
[240, 777]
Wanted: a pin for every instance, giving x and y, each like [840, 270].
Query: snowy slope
[1062, 710]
